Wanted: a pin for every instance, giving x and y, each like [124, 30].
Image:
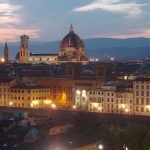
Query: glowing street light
[53, 106]
[47, 102]
[2, 60]
[100, 147]
[35, 102]
[123, 106]
[100, 108]
[127, 110]
[10, 103]
[78, 92]
[84, 93]
[126, 148]
[148, 106]
[74, 107]
[31, 105]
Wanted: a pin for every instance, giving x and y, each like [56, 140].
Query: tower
[6, 59]
[23, 52]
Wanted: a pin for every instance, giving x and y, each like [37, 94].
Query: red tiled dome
[71, 40]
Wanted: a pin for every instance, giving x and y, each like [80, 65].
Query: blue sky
[49, 20]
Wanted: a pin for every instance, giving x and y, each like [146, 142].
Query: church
[71, 49]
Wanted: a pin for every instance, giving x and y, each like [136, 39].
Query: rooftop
[28, 86]
[32, 54]
[142, 79]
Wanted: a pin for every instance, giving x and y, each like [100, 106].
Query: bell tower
[6, 53]
[23, 52]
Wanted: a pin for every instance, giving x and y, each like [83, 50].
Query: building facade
[110, 99]
[69, 87]
[71, 49]
[24, 49]
[24, 95]
[141, 91]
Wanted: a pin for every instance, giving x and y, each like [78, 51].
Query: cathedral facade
[71, 49]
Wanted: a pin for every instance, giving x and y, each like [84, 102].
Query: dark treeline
[133, 134]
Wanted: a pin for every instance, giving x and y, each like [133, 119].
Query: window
[142, 101]
[108, 99]
[147, 93]
[137, 86]
[137, 100]
[137, 108]
[142, 109]
[137, 93]
[147, 101]
[147, 87]
[142, 93]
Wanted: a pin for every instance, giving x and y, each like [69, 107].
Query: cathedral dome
[71, 40]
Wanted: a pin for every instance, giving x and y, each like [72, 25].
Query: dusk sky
[49, 20]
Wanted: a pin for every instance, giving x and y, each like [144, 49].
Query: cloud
[131, 8]
[9, 14]
[143, 33]
[12, 22]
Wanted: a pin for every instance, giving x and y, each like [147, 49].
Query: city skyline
[49, 21]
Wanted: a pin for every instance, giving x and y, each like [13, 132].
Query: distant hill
[96, 47]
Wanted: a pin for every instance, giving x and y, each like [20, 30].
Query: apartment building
[111, 99]
[141, 92]
[24, 95]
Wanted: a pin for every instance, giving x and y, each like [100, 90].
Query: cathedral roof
[71, 40]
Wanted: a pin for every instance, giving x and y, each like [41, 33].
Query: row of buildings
[57, 83]
[121, 98]
[113, 97]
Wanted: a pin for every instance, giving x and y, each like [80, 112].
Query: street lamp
[148, 106]
[74, 107]
[31, 105]
[53, 106]
[100, 147]
[127, 110]
[78, 92]
[100, 109]
[2, 60]
[10, 103]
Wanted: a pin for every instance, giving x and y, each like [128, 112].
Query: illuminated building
[70, 85]
[24, 49]
[110, 99]
[141, 90]
[71, 49]
[24, 95]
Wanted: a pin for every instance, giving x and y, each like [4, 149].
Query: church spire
[71, 28]
[6, 53]
[6, 46]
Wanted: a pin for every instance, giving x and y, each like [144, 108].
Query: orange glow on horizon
[14, 34]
